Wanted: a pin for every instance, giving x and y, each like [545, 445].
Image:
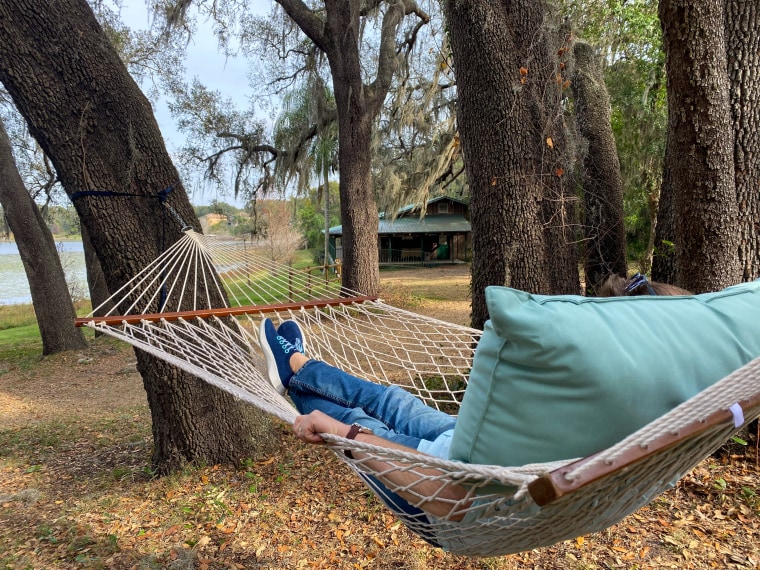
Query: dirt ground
[76, 490]
[442, 292]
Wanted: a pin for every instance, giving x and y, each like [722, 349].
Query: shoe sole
[274, 376]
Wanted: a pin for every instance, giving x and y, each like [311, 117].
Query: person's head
[638, 284]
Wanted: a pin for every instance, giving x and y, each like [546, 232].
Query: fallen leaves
[307, 520]
[303, 508]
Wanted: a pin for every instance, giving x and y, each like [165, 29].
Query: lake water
[14, 286]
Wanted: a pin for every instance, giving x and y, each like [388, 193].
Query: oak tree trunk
[700, 154]
[356, 114]
[513, 148]
[91, 119]
[96, 279]
[47, 281]
[743, 57]
[664, 252]
[602, 183]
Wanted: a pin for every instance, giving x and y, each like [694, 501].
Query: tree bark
[743, 56]
[664, 254]
[602, 184]
[356, 114]
[337, 31]
[98, 129]
[513, 147]
[47, 282]
[700, 154]
[96, 279]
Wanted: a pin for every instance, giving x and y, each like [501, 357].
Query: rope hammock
[163, 311]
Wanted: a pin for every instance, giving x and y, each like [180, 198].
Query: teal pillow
[559, 377]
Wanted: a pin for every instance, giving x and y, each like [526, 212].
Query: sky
[227, 75]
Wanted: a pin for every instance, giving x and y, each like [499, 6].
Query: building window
[443, 208]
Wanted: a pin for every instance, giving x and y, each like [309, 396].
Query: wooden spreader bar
[221, 312]
[552, 486]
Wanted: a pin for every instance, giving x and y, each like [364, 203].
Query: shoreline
[11, 239]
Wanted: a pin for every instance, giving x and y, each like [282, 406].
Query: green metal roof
[438, 224]
[410, 208]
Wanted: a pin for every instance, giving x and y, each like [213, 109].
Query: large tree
[629, 38]
[699, 158]
[604, 242]
[742, 20]
[510, 89]
[53, 307]
[336, 31]
[92, 120]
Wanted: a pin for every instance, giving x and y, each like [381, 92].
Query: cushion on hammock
[560, 377]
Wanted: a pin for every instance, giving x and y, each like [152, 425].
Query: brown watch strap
[353, 431]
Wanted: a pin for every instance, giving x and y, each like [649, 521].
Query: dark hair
[638, 284]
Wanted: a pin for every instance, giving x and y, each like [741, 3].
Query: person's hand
[307, 428]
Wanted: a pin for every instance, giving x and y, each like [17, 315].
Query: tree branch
[245, 141]
[309, 22]
[369, 6]
[386, 67]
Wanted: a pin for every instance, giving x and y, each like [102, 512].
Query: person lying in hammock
[335, 402]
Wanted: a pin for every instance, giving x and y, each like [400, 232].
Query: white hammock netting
[507, 509]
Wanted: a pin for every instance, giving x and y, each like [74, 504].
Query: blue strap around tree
[162, 197]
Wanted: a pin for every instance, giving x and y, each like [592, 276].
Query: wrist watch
[353, 431]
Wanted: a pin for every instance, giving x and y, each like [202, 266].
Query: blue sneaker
[290, 331]
[277, 352]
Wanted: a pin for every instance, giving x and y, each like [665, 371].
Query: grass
[259, 287]
[243, 292]
[16, 316]
[19, 336]
[20, 342]
[20, 346]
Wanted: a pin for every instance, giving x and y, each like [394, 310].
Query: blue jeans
[389, 411]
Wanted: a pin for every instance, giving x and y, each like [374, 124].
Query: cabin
[442, 235]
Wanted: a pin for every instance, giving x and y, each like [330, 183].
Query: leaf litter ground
[76, 489]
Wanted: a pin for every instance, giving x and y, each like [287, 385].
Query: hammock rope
[506, 509]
